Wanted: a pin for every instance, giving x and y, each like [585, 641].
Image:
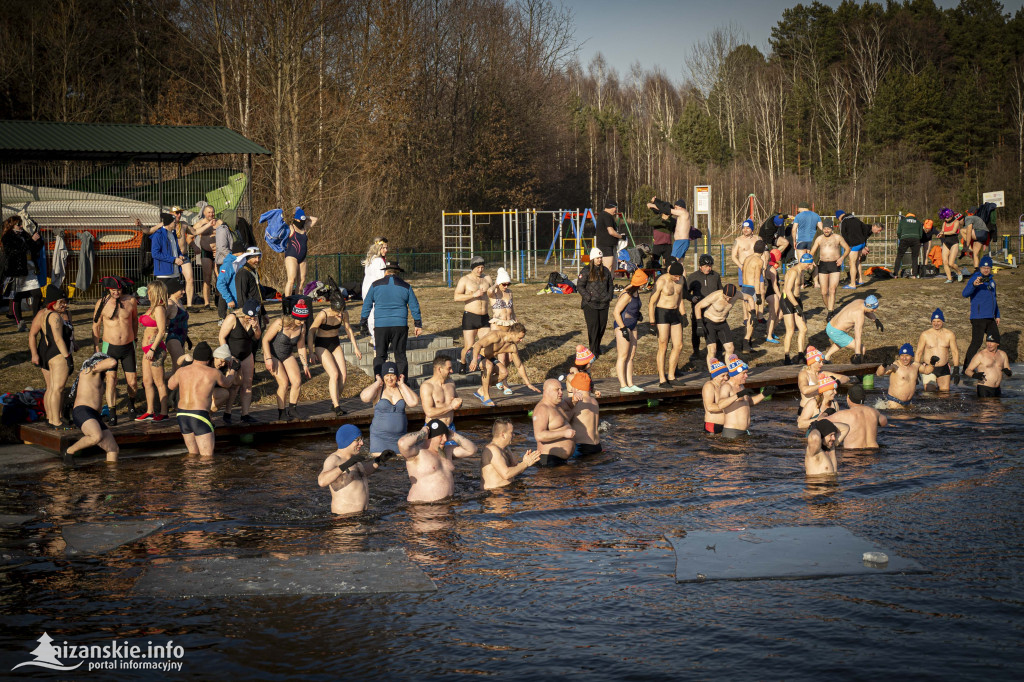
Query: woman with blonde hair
[283, 337]
[154, 350]
[503, 315]
[373, 269]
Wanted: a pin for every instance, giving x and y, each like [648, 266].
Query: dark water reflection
[565, 573]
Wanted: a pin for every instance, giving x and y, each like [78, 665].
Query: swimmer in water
[437, 394]
[497, 464]
[714, 414]
[941, 343]
[346, 470]
[824, 404]
[904, 372]
[195, 384]
[551, 428]
[989, 366]
[862, 419]
[823, 440]
[735, 399]
[429, 455]
[807, 380]
[584, 415]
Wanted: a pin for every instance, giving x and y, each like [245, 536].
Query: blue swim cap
[300, 215]
[871, 301]
[779, 220]
[937, 315]
[748, 223]
[840, 213]
[347, 434]
[807, 258]
[986, 260]
[907, 349]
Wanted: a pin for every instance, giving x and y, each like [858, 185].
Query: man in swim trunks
[735, 399]
[862, 419]
[714, 414]
[666, 313]
[584, 416]
[700, 284]
[551, 428]
[856, 234]
[823, 440]
[88, 392]
[832, 249]
[742, 247]
[851, 318]
[497, 464]
[485, 350]
[939, 342]
[472, 291]
[712, 319]
[346, 469]
[792, 308]
[752, 287]
[115, 326]
[195, 384]
[904, 373]
[988, 367]
[429, 455]
[437, 394]
[806, 224]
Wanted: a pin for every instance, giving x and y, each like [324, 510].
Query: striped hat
[826, 382]
[814, 355]
[717, 368]
[736, 366]
[300, 310]
[583, 355]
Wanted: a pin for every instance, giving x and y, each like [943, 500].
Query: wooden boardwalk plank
[319, 416]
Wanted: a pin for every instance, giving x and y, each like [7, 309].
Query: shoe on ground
[772, 339]
[636, 389]
[666, 384]
[850, 286]
[959, 276]
[145, 417]
[105, 412]
[249, 419]
[292, 413]
[227, 418]
[338, 410]
[948, 281]
[787, 360]
[159, 417]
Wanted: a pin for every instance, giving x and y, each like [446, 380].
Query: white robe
[371, 273]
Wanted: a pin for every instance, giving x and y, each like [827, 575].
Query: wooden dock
[319, 416]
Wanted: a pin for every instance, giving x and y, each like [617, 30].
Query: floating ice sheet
[318, 574]
[16, 519]
[97, 538]
[779, 553]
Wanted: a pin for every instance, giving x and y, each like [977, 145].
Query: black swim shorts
[989, 392]
[787, 307]
[195, 422]
[827, 267]
[471, 321]
[125, 354]
[667, 316]
[941, 370]
[550, 461]
[717, 332]
[84, 413]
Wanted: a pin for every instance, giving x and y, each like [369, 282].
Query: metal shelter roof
[49, 140]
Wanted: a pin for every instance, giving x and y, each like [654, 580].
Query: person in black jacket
[595, 287]
[247, 280]
[21, 253]
[698, 285]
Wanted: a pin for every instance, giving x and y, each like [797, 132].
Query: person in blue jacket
[167, 259]
[981, 289]
[391, 299]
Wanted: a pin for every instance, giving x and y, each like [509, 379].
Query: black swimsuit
[67, 331]
[240, 341]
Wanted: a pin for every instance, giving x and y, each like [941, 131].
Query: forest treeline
[382, 113]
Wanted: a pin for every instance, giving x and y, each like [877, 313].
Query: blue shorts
[748, 289]
[858, 247]
[679, 248]
[838, 337]
[804, 246]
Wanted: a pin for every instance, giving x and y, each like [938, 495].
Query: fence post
[337, 267]
[721, 257]
[522, 261]
[448, 268]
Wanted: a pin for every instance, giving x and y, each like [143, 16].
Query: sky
[662, 32]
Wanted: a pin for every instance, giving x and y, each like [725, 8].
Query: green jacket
[909, 228]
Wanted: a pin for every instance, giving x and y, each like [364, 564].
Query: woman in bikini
[240, 331]
[283, 337]
[154, 350]
[949, 233]
[626, 315]
[324, 339]
[503, 315]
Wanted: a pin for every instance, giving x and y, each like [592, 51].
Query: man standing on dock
[792, 308]
[666, 312]
[391, 299]
[486, 350]
[117, 315]
[429, 455]
[700, 285]
[551, 428]
[195, 384]
[712, 315]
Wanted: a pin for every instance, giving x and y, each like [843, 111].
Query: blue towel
[277, 230]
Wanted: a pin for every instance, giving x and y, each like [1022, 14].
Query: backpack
[557, 280]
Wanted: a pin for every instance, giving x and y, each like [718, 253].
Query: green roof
[33, 140]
